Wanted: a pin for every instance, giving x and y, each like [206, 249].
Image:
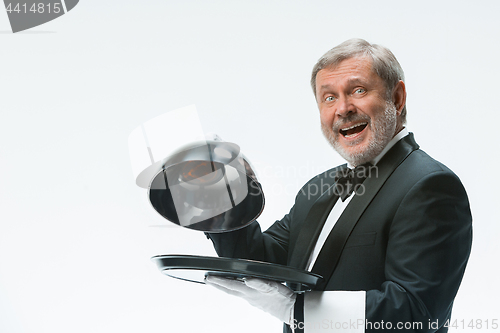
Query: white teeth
[348, 128]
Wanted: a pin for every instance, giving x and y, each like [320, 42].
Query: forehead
[358, 68]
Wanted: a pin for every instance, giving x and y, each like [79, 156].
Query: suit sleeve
[251, 243]
[428, 247]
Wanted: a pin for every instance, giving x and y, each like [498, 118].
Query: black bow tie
[350, 180]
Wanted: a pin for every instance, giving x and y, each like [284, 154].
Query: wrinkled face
[356, 117]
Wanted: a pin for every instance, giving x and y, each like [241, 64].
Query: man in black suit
[390, 238]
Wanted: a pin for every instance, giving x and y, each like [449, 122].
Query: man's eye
[359, 91]
[330, 99]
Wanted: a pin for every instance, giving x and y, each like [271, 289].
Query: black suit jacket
[405, 240]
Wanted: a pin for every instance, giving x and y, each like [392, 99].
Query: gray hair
[384, 63]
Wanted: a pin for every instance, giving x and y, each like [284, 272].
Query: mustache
[350, 119]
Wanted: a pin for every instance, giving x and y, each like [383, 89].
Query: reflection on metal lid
[198, 192]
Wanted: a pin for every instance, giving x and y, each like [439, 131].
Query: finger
[226, 290]
[231, 284]
[285, 291]
[264, 286]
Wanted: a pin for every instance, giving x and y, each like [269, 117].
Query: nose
[344, 107]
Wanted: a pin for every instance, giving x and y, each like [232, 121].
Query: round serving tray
[195, 268]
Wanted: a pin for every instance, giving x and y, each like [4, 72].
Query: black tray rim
[298, 280]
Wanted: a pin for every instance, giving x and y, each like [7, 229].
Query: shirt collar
[395, 139]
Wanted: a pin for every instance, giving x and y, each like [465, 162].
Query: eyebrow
[355, 81]
[350, 82]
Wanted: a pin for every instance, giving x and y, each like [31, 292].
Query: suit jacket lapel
[332, 249]
[312, 225]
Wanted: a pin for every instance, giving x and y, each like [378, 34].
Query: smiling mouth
[353, 130]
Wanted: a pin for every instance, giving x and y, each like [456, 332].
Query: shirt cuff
[327, 311]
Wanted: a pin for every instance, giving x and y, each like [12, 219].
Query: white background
[75, 232]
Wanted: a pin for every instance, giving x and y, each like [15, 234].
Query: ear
[399, 96]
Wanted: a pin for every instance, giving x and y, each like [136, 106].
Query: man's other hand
[269, 296]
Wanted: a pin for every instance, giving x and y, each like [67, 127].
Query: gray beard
[383, 128]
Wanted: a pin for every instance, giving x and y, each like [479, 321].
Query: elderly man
[391, 244]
